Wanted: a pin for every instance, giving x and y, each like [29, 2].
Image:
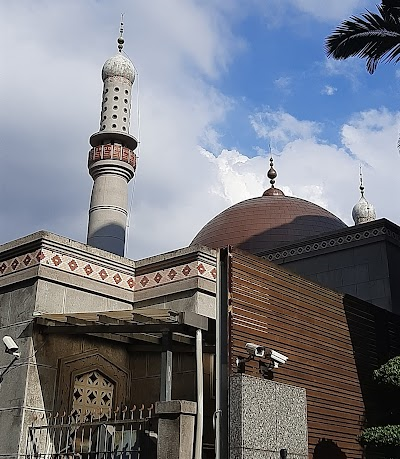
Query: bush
[381, 436]
[389, 373]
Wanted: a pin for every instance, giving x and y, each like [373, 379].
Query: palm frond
[375, 37]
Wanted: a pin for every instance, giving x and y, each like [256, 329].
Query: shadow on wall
[110, 238]
[303, 227]
[328, 449]
[374, 336]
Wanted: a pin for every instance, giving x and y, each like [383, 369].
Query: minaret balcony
[112, 152]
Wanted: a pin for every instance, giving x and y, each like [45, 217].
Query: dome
[119, 66]
[363, 212]
[264, 223]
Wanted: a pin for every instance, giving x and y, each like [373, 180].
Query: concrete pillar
[176, 429]
[267, 420]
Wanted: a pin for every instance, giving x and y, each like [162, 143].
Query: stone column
[176, 429]
[267, 420]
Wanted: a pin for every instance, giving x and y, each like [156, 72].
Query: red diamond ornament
[103, 274]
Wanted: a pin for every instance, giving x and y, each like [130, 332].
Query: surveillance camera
[11, 346]
[277, 358]
[255, 350]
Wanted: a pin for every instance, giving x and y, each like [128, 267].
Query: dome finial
[121, 40]
[272, 174]
[361, 182]
[363, 211]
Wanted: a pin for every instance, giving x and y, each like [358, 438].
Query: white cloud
[324, 174]
[281, 127]
[328, 90]
[349, 69]
[284, 84]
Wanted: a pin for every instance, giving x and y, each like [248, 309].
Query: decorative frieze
[111, 274]
[112, 152]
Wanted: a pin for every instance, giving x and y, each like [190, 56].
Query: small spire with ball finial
[121, 40]
[361, 183]
[272, 174]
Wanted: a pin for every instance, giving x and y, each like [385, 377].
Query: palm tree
[373, 36]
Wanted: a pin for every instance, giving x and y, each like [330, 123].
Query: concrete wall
[16, 403]
[53, 278]
[266, 417]
[360, 270]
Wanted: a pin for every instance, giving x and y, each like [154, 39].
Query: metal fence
[122, 434]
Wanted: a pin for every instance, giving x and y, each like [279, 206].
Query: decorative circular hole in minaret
[106, 90]
[115, 107]
[105, 99]
[126, 101]
[116, 89]
[115, 97]
[126, 92]
[114, 117]
[124, 119]
[114, 126]
[104, 117]
[123, 128]
[125, 110]
[105, 108]
[103, 127]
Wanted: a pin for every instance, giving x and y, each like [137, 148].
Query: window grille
[92, 391]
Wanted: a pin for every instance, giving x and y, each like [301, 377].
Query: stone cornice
[336, 240]
[27, 257]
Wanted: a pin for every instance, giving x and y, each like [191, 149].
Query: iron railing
[122, 434]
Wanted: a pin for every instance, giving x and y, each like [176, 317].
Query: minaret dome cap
[363, 211]
[118, 66]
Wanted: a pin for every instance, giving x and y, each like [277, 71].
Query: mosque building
[258, 340]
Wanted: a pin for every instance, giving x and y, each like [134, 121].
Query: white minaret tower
[112, 161]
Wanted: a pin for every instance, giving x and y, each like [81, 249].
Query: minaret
[112, 161]
[363, 211]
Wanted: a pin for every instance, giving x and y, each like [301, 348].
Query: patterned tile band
[110, 151]
[333, 242]
[104, 274]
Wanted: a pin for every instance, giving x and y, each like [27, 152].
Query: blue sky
[285, 67]
[218, 83]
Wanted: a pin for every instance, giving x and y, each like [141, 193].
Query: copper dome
[260, 224]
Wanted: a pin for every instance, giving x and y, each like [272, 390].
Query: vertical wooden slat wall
[333, 344]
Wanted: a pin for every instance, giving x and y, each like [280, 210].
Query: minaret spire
[361, 183]
[112, 161]
[121, 40]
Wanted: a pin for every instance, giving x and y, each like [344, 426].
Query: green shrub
[389, 373]
[381, 436]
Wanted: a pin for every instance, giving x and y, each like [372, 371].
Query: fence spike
[141, 409]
